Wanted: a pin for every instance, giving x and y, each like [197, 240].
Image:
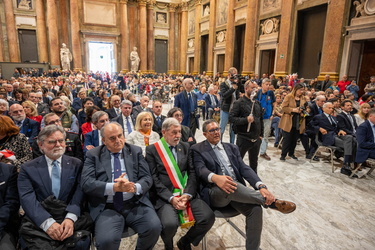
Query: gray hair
[209, 89]
[126, 102]
[49, 130]
[205, 124]
[266, 80]
[169, 122]
[4, 103]
[95, 117]
[320, 97]
[326, 104]
[102, 130]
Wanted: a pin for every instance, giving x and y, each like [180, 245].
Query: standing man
[126, 119]
[266, 99]
[166, 158]
[222, 174]
[50, 193]
[212, 103]
[116, 179]
[229, 94]
[187, 102]
[28, 127]
[157, 108]
[247, 113]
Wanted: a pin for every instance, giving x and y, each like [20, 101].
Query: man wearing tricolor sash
[175, 186]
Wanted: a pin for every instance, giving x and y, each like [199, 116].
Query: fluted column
[76, 36]
[211, 38]
[124, 37]
[330, 63]
[63, 22]
[150, 37]
[53, 37]
[184, 34]
[14, 54]
[197, 37]
[229, 43]
[143, 35]
[284, 47]
[172, 40]
[41, 31]
[250, 37]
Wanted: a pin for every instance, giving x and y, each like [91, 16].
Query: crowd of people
[90, 154]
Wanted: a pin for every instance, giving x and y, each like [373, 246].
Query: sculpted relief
[222, 12]
[270, 5]
[270, 26]
[364, 8]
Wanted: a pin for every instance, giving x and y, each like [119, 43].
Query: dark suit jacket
[209, 103]
[92, 138]
[111, 113]
[226, 93]
[43, 109]
[157, 128]
[34, 186]
[30, 129]
[163, 185]
[9, 203]
[321, 121]
[345, 124]
[186, 134]
[206, 162]
[119, 120]
[365, 139]
[181, 101]
[97, 172]
[77, 103]
[138, 109]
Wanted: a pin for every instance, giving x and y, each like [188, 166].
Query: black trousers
[193, 124]
[289, 142]
[252, 148]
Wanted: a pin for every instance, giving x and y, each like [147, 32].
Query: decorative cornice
[172, 7]
[142, 2]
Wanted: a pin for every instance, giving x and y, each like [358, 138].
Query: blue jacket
[365, 140]
[30, 129]
[182, 101]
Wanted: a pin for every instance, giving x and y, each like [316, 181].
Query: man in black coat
[157, 108]
[28, 127]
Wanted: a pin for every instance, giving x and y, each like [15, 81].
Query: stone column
[251, 34]
[150, 37]
[63, 22]
[183, 36]
[53, 37]
[14, 54]
[41, 31]
[284, 53]
[76, 41]
[197, 37]
[229, 42]
[172, 40]
[142, 35]
[124, 37]
[331, 52]
[2, 57]
[133, 39]
[211, 38]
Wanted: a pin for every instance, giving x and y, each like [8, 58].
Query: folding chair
[331, 150]
[369, 162]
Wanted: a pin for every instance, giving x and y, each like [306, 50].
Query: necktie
[128, 126]
[117, 111]
[171, 148]
[320, 110]
[351, 121]
[225, 165]
[117, 198]
[55, 177]
[19, 124]
[331, 120]
[213, 101]
[191, 103]
[158, 121]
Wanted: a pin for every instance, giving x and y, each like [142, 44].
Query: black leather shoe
[345, 171]
[314, 159]
[294, 157]
[183, 246]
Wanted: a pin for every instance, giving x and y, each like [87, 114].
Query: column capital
[172, 7]
[184, 6]
[142, 2]
[124, 1]
[198, 2]
[151, 4]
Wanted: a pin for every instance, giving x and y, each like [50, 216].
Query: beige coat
[288, 104]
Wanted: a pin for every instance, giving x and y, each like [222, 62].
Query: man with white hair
[212, 102]
[28, 127]
[37, 99]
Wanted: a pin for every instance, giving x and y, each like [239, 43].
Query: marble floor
[333, 211]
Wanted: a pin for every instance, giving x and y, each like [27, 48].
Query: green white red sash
[179, 182]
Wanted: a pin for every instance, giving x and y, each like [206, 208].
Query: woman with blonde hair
[363, 113]
[143, 134]
[31, 111]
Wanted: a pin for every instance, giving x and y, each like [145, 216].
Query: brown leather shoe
[284, 207]
[265, 156]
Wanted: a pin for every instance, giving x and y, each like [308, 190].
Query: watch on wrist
[135, 189]
[262, 186]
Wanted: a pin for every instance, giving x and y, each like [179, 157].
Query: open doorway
[101, 57]
[267, 61]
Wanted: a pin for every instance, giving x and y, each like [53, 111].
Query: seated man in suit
[345, 120]
[78, 101]
[115, 110]
[366, 139]
[126, 119]
[73, 144]
[212, 103]
[28, 127]
[222, 174]
[116, 179]
[157, 108]
[37, 99]
[163, 157]
[94, 138]
[327, 127]
[50, 193]
[142, 107]
[9, 205]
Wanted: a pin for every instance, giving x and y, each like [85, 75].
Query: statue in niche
[65, 57]
[206, 11]
[134, 58]
[360, 8]
[24, 4]
[161, 18]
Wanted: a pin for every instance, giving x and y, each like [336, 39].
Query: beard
[19, 118]
[56, 152]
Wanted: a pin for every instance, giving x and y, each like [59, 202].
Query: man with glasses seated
[73, 143]
[37, 99]
[115, 110]
[222, 174]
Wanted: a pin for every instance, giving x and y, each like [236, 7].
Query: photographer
[292, 121]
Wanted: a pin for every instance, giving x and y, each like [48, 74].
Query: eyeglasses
[53, 122]
[54, 142]
[213, 130]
